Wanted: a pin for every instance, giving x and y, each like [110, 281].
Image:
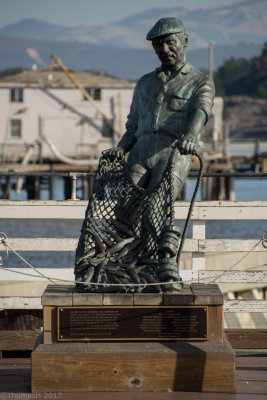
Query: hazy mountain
[34, 29]
[123, 63]
[227, 25]
[120, 48]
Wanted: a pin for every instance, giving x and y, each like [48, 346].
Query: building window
[16, 95]
[95, 93]
[15, 128]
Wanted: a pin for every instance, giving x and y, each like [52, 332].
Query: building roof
[54, 77]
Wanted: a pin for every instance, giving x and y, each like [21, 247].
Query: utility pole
[211, 56]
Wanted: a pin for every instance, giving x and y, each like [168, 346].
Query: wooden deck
[251, 382]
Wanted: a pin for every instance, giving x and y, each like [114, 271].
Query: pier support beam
[218, 188]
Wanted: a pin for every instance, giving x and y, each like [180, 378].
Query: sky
[89, 12]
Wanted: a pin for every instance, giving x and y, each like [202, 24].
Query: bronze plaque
[131, 323]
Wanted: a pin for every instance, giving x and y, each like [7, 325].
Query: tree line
[235, 77]
[243, 77]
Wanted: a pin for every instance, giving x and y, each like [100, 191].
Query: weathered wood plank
[144, 299]
[209, 294]
[191, 245]
[117, 299]
[212, 203]
[226, 245]
[153, 367]
[239, 338]
[184, 297]
[38, 209]
[221, 276]
[83, 299]
[199, 229]
[29, 275]
[50, 324]
[20, 320]
[198, 261]
[41, 203]
[215, 324]
[59, 295]
[42, 244]
[65, 244]
[18, 303]
[251, 383]
[245, 306]
[235, 212]
[18, 340]
[247, 338]
[233, 276]
[34, 303]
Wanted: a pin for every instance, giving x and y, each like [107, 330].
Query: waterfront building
[44, 104]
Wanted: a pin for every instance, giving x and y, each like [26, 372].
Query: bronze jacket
[163, 104]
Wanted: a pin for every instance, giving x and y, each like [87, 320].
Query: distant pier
[217, 184]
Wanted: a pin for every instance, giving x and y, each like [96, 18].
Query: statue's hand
[115, 152]
[188, 144]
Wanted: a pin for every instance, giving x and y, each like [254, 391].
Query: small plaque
[131, 323]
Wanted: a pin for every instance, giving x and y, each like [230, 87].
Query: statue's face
[169, 50]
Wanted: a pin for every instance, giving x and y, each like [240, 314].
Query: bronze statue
[170, 106]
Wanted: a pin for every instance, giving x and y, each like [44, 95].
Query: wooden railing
[198, 245]
[237, 306]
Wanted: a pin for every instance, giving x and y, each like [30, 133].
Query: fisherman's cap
[165, 26]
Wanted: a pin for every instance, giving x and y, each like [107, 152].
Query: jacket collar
[187, 68]
[183, 68]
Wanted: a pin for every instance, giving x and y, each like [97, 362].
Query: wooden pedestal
[151, 367]
[206, 365]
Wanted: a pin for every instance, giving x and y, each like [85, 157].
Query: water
[251, 189]
[34, 228]
[246, 190]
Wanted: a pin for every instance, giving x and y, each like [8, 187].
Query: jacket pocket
[176, 103]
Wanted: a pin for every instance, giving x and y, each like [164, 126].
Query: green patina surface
[130, 212]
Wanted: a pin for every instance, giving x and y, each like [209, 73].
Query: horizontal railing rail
[192, 174]
[68, 209]
[191, 245]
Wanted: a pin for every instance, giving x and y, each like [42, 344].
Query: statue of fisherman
[170, 106]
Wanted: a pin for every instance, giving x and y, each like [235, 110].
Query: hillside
[246, 117]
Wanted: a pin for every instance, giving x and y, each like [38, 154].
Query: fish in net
[126, 232]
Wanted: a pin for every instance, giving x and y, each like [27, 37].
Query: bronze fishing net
[121, 230]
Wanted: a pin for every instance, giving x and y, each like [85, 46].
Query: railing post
[199, 232]
[73, 176]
